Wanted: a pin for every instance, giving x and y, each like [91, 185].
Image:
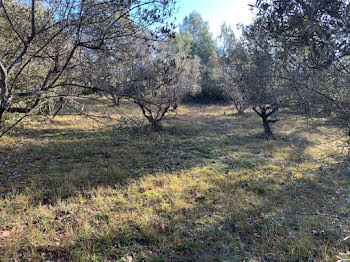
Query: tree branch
[10, 21]
[273, 111]
[33, 20]
[256, 111]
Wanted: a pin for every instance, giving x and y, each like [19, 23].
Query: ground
[208, 187]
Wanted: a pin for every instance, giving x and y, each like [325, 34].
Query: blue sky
[217, 11]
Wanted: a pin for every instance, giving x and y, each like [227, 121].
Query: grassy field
[208, 187]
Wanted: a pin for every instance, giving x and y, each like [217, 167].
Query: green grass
[208, 187]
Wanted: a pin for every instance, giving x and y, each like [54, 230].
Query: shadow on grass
[63, 162]
[250, 207]
[234, 220]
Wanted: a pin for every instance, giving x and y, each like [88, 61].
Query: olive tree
[232, 57]
[42, 42]
[313, 39]
[159, 78]
[260, 86]
[250, 67]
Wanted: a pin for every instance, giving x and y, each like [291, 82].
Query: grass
[208, 187]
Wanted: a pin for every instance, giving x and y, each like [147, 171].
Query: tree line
[294, 54]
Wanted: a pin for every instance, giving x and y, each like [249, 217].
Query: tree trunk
[116, 100]
[238, 107]
[4, 92]
[267, 130]
[155, 124]
[3, 102]
[240, 111]
[1, 116]
[264, 114]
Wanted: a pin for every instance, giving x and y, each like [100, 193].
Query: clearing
[208, 187]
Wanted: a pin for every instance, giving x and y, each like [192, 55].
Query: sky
[216, 12]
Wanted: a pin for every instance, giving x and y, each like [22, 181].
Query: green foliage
[204, 47]
[320, 26]
[313, 44]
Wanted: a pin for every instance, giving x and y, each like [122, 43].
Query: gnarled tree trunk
[156, 118]
[240, 108]
[267, 129]
[155, 123]
[264, 113]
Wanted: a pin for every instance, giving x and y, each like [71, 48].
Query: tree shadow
[230, 221]
[286, 220]
[61, 163]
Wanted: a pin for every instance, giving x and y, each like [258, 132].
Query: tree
[42, 42]
[231, 56]
[204, 47]
[158, 78]
[261, 88]
[250, 66]
[312, 38]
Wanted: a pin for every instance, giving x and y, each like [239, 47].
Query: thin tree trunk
[4, 93]
[1, 116]
[116, 100]
[3, 103]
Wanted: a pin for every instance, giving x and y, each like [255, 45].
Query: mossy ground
[208, 187]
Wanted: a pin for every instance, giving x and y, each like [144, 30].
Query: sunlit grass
[208, 187]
